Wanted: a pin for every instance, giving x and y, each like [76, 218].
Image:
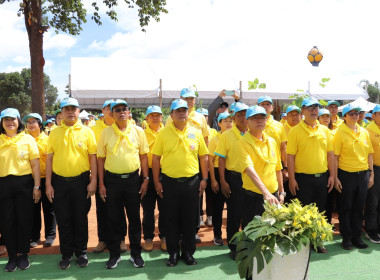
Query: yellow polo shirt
[228, 148]
[212, 132]
[151, 136]
[275, 130]
[287, 128]
[98, 129]
[336, 122]
[71, 147]
[264, 157]
[179, 150]
[352, 148]
[122, 150]
[16, 153]
[212, 146]
[196, 120]
[42, 143]
[374, 134]
[310, 147]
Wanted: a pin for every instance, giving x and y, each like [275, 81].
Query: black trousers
[372, 205]
[16, 212]
[253, 205]
[217, 209]
[312, 189]
[210, 195]
[71, 207]
[351, 202]
[181, 200]
[234, 205]
[49, 216]
[123, 193]
[148, 204]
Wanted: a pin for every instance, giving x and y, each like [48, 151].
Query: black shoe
[188, 258]
[65, 263]
[137, 261]
[173, 260]
[233, 254]
[23, 262]
[218, 241]
[11, 265]
[346, 244]
[112, 262]
[373, 237]
[358, 243]
[82, 261]
[49, 242]
[321, 250]
[197, 239]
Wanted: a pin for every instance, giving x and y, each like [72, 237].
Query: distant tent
[362, 103]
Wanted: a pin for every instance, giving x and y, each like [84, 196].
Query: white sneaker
[201, 223]
[209, 221]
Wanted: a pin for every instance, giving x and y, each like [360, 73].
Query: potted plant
[283, 231]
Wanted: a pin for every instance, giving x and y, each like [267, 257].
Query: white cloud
[61, 43]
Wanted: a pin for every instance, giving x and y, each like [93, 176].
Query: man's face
[222, 108]
[333, 109]
[226, 123]
[107, 112]
[58, 118]
[311, 112]
[190, 101]
[376, 117]
[154, 119]
[180, 115]
[239, 118]
[70, 114]
[361, 116]
[120, 113]
[267, 106]
[257, 122]
[32, 125]
[293, 118]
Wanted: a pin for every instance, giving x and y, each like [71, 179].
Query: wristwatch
[283, 193]
[36, 187]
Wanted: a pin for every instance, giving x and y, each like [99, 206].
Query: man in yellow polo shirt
[229, 172]
[122, 151]
[372, 209]
[71, 155]
[179, 145]
[293, 118]
[101, 216]
[275, 130]
[153, 127]
[311, 159]
[332, 106]
[260, 165]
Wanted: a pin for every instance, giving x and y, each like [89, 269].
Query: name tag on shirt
[191, 136]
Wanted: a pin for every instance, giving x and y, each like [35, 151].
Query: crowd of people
[232, 153]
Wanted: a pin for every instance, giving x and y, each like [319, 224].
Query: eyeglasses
[118, 110]
[260, 118]
[31, 122]
[351, 114]
[312, 107]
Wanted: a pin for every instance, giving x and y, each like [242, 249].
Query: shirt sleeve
[337, 143]
[144, 147]
[283, 136]
[212, 146]
[330, 139]
[102, 150]
[50, 146]
[370, 150]
[221, 148]
[278, 156]
[205, 131]
[33, 150]
[202, 147]
[245, 159]
[91, 142]
[158, 148]
[291, 146]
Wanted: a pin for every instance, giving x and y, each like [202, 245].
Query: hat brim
[189, 95]
[357, 109]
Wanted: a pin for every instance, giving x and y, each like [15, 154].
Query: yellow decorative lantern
[315, 56]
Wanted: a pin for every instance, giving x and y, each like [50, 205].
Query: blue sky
[267, 37]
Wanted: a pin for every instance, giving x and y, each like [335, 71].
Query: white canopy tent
[143, 82]
[361, 103]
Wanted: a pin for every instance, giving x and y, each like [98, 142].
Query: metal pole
[241, 90]
[160, 93]
[70, 85]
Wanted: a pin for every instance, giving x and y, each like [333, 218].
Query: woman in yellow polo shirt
[353, 152]
[18, 160]
[34, 126]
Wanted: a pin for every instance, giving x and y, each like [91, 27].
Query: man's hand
[91, 188]
[159, 189]
[271, 198]
[330, 183]
[36, 195]
[214, 186]
[102, 192]
[293, 187]
[202, 187]
[50, 192]
[143, 189]
[338, 185]
[225, 188]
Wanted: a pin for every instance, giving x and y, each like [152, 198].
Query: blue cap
[188, 92]
[376, 109]
[107, 102]
[368, 115]
[32, 115]
[293, 108]
[118, 102]
[56, 112]
[324, 112]
[284, 115]
[348, 108]
[264, 98]
[223, 116]
[310, 102]
[69, 102]
[333, 102]
[153, 109]
[101, 115]
[232, 106]
[10, 112]
[202, 111]
[178, 103]
[255, 110]
[49, 121]
[239, 107]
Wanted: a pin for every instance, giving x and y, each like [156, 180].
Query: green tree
[373, 92]
[16, 92]
[68, 16]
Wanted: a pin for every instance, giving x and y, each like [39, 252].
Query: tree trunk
[33, 22]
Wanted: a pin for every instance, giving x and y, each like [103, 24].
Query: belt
[356, 172]
[122, 176]
[182, 179]
[316, 175]
[233, 172]
[72, 179]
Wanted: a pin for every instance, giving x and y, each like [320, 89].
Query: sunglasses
[313, 107]
[351, 114]
[118, 110]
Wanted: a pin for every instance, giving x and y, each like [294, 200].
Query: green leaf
[263, 85]
[251, 85]
[325, 80]
[256, 81]
[322, 85]
[285, 246]
[300, 90]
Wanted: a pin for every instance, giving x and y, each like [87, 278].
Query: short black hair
[20, 128]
